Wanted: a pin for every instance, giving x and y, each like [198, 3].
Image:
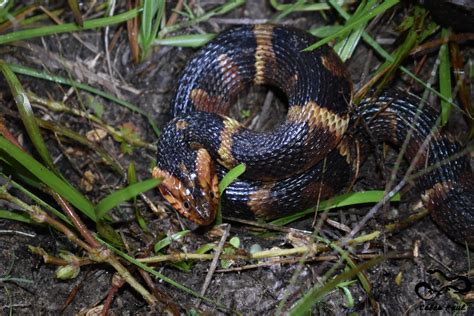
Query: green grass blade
[27, 115]
[445, 79]
[195, 40]
[306, 7]
[355, 23]
[346, 256]
[16, 217]
[346, 46]
[325, 30]
[313, 296]
[67, 27]
[151, 20]
[165, 242]
[58, 79]
[11, 152]
[122, 195]
[290, 8]
[352, 198]
[5, 7]
[230, 177]
[223, 9]
[149, 9]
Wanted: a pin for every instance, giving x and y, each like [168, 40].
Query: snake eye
[212, 195]
[186, 205]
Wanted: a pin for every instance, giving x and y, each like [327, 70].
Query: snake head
[193, 191]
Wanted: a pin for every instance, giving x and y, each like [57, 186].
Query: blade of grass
[352, 198]
[5, 7]
[361, 276]
[165, 242]
[230, 177]
[411, 26]
[325, 30]
[290, 8]
[194, 40]
[58, 79]
[132, 179]
[346, 46]
[152, 16]
[10, 152]
[122, 195]
[27, 115]
[76, 12]
[16, 217]
[355, 23]
[313, 296]
[67, 27]
[445, 78]
[223, 9]
[306, 7]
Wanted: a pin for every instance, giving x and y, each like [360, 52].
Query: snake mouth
[196, 195]
[200, 214]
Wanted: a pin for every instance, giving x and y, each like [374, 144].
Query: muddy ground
[28, 285]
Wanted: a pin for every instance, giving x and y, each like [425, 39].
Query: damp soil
[28, 284]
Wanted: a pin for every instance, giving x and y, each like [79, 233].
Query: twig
[215, 260]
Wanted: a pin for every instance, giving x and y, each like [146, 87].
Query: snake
[316, 152]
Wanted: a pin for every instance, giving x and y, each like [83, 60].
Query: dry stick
[444, 40]
[241, 21]
[265, 254]
[8, 135]
[403, 255]
[132, 32]
[266, 226]
[17, 232]
[76, 221]
[47, 258]
[174, 15]
[390, 228]
[117, 283]
[106, 43]
[215, 260]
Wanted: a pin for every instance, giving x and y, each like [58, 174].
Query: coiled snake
[314, 153]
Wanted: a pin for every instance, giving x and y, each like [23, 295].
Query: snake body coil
[312, 155]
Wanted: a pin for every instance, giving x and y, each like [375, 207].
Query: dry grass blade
[76, 12]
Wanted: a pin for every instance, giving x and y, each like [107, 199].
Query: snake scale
[315, 153]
